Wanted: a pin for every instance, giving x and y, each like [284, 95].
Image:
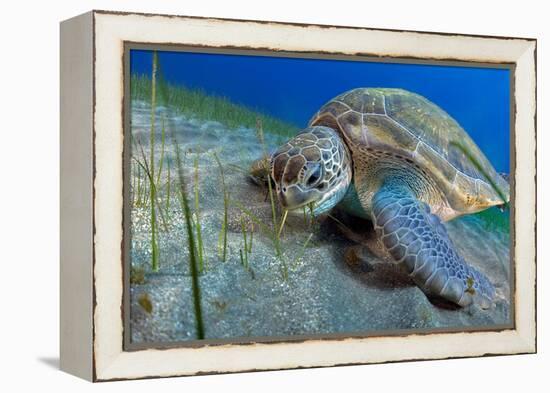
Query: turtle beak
[293, 197]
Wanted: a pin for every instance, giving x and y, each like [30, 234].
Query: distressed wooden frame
[92, 121]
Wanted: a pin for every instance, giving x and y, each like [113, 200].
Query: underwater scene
[273, 198]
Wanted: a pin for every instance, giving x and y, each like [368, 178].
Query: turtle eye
[314, 176]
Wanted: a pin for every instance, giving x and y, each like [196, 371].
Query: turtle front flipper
[418, 239]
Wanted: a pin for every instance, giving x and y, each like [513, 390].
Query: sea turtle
[396, 158]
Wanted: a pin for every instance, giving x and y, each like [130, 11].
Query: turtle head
[313, 168]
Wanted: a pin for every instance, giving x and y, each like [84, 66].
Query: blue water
[294, 89]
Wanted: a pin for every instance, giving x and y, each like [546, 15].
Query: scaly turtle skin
[389, 155]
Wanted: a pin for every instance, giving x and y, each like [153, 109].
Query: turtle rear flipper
[418, 239]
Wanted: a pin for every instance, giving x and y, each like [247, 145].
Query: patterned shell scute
[382, 129]
[364, 100]
[351, 123]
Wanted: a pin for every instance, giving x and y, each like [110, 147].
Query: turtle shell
[422, 134]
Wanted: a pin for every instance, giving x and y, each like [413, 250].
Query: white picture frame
[92, 268]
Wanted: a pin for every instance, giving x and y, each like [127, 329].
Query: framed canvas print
[245, 195]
